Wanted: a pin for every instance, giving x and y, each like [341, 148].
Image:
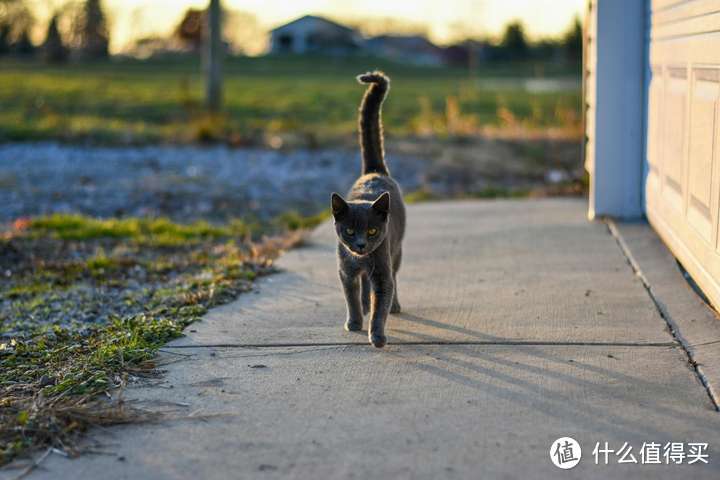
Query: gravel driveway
[217, 182]
[181, 182]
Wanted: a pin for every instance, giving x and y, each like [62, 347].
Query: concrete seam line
[478, 343]
[664, 314]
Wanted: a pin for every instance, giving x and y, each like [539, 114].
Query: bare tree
[191, 31]
[213, 57]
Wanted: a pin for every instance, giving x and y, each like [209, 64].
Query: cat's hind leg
[397, 259]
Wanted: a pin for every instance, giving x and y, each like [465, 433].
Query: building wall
[297, 32]
[683, 141]
[615, 107]
[652, 90]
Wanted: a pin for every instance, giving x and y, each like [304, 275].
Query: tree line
[85, 35]
[88, 35]
[514, 45]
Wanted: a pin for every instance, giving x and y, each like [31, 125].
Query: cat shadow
[585, 376]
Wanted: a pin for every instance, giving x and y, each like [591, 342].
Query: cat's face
[361, 226]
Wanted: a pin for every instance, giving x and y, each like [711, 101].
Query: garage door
[683, 134]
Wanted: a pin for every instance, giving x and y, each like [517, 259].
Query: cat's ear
[338, 205]
[382, 204]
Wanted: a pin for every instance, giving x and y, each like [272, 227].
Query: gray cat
[370, 224]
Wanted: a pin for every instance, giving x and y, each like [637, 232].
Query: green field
[131, 101]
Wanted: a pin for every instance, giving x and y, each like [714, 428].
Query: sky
[444, 20]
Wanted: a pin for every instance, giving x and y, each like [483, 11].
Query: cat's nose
[360, 245]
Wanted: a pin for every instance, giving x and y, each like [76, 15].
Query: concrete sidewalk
[523, 322]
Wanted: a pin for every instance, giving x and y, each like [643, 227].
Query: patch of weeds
[27, 289]
[101, 265]
[160, 232]
[294, 221]
[570, 188]
[422, 195]
[51, 380]
[563, 189]
[427, 195]
[86, 303]
[209, 128]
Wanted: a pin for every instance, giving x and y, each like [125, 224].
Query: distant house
[312, 34]
[413, 49]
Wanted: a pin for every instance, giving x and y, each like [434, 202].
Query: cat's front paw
[395, 308]
[353, 325]
[378, 340]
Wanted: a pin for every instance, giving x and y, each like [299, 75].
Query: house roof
[314, 17]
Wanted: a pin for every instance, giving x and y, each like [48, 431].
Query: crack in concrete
[440, 343]
[671, 324]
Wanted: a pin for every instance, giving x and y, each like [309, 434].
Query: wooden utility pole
[213, 57]
[472, 58]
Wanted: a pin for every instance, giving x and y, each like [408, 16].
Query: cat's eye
[372, 231]
[350, 231]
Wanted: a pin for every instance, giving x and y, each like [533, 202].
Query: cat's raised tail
[371, 129]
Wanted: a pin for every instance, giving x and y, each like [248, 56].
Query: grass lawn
[127, 101]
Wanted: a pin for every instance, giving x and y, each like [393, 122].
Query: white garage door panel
[668, 11]
[664, 4]
[692, 25]
[683, 135]
[703, 112]
[674, 138]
